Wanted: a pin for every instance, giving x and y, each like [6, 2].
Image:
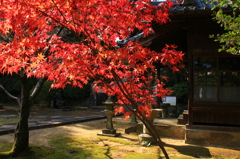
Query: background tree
[39, 49]
[23, 45]
[227, 15]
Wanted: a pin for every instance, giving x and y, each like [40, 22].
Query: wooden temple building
[214, 77]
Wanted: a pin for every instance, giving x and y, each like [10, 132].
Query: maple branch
[4, 39]
[75, 24]
[37, 89]
[40, 83]
[150, 127]
[123, 89]
[46, 52]
[59, 10]
[152, 130]
[116, 77]
[10, 95]
[58, 22]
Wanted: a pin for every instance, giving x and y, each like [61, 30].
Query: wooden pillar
[190, 76]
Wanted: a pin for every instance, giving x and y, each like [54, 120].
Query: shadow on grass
[107, 153]
[70, 147]
[130, 139]
[37, 152]
[80, 147]
[191, 150]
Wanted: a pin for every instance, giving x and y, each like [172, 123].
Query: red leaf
[127, 115]
[118, 110]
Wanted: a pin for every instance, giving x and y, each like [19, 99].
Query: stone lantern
[109, 131]
[164, 107]
[133, 118]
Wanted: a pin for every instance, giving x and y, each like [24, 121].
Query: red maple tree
[72, 42]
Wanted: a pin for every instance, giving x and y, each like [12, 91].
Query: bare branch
[10, 95]
[37, 89]
[4, 39]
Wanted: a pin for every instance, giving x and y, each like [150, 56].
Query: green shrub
[13, 85]
[69, 92]
[45, 94]
[180, 90]
[76, 92]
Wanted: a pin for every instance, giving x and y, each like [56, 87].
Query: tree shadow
[191, 150]
[107, 153]
[128, 138]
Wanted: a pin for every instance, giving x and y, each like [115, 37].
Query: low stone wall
[208, 137]
[169, 131]
[211, 137]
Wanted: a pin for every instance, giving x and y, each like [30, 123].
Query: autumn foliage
[75, 41]
[33, 34]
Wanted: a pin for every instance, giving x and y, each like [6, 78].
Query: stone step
[183, 118]
[181, 121]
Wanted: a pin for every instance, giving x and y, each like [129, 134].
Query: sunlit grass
[79, 147]
[98, 147]
[5, 147]
[136, 155]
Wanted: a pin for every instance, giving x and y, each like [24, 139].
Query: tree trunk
[21, 134]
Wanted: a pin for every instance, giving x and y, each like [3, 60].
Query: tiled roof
[188, 6]
[185, 6]
[134, 38]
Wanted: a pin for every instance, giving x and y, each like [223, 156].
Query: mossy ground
[80, 141]
[75, 147]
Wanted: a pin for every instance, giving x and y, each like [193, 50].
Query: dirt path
[92, 128]
[35, 111]
[87, 130]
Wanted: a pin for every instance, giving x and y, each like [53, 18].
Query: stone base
[131, 129]
[167, 130]
[110, 135]
[145, 137]
[109, 131]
